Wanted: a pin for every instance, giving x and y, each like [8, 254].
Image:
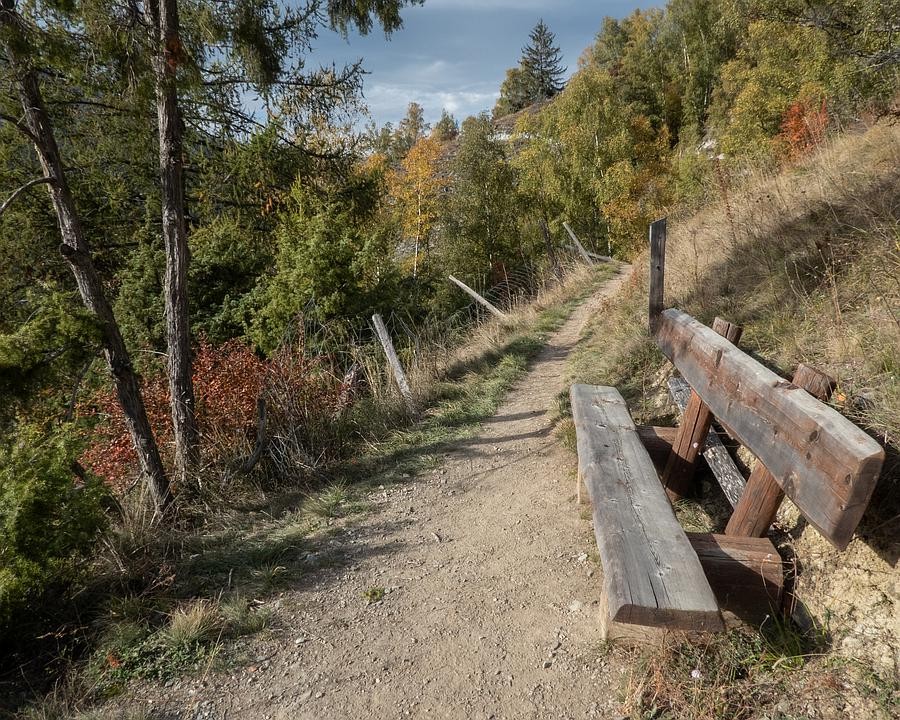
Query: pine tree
[541, 61]
[537, 77]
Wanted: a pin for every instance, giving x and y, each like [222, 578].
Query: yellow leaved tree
[416, 187]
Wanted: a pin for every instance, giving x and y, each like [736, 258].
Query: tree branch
[20, 126]
[23, 188]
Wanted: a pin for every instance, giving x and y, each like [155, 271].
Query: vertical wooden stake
[459, 283]
[578, 245]
[657, 271]
[393, 360]
[759, 503]
[692, 432]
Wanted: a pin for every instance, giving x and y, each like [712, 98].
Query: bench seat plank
[652, 575]
[823, 462]
[716, 454]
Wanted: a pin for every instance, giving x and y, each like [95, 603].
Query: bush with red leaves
[304, 395]
[803, 127]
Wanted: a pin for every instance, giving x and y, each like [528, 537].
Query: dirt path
[490, 604]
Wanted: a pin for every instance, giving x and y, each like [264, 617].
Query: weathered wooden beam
[601, 258]
[658, 442]
[578, 246]
[746, 574]
[460, 284]
[393, 361]
[762, 497]
[723, 467]
[693, 430]
[657, 270]
[826, 464]
[651, 575]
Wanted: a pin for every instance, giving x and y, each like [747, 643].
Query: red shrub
[803, 126]
[303, 394]
[227, 381]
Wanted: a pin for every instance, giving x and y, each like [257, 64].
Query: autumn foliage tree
[416, 187]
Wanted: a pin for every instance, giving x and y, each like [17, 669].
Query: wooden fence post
[762, 495]
[657, 271]
[692, 432]
[459, 283]
[393, 360]
[578, 245]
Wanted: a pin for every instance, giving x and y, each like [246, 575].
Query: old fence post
[578, 245]
[459, 283]
[393, 360]
[657, 271]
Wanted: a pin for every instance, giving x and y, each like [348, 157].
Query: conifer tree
[541, 61]
[538, 75]
[16, 41]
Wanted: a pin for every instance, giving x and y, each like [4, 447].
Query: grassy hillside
[808, 261]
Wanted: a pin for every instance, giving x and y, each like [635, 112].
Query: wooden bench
[658, 578]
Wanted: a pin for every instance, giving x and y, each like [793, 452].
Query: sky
[454, 54]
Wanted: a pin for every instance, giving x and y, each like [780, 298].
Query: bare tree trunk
[168, 53]
[75, 250]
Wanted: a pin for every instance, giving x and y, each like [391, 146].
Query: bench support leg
[692, 432]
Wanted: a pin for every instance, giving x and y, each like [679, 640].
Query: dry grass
[192, 624]
[742, 676]
[446, 348]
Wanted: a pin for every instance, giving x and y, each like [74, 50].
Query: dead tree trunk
[168, 53]
[75, 250]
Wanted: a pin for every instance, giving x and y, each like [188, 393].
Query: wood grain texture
[824, 463]
[630, 634]
[746, 574]
[726, 472]
[651, 574]
[695, 425]
[657, 270]
[762, 497]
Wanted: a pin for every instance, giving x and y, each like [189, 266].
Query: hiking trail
[490, 597]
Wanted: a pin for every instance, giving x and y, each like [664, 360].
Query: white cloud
[385, 98]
